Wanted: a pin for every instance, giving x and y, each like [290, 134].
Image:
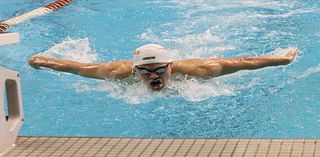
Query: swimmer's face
[156, 76]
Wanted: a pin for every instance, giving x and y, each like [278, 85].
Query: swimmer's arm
[231, 65]
[108, 70]
[204, 68]
[213, 67]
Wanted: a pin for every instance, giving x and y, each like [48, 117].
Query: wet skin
[155, 76]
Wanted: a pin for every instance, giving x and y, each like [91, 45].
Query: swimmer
[154, 66]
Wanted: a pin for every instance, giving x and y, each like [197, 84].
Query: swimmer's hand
[37, 61]
[292, 53]
[288, 54]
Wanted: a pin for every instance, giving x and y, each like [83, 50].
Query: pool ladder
[12, 120]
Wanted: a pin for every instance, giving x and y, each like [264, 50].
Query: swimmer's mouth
[156, 84]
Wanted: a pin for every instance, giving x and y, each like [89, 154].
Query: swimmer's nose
[153, 76]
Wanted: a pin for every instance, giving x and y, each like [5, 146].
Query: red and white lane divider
[34, 13]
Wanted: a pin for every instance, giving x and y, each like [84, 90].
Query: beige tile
[261, 154]
[191, 153]
[55, 146]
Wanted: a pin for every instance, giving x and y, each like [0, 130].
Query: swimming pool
[272, 102]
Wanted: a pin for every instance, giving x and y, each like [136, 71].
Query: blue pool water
[272, 102]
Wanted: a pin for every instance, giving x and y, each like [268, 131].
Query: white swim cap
[151, 53]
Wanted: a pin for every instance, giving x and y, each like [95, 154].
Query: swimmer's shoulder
[179, 64]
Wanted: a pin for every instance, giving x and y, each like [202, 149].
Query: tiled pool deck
[122, 147]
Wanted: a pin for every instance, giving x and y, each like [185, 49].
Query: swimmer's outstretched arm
[213, 67]
[107, 70]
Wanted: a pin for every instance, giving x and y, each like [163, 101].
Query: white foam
[133, 93]
[137, 93]
[255, 16]
[189, 39]
[199, 90]
[73, 49]
[190, 45]
[295, 12]
[194, 6]
[310, 71]
[82, 86]
[149, 36]
[253, 82]
[199, 45]
[199, 39]
[280, 51]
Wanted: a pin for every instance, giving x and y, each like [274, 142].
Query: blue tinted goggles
[158, 71]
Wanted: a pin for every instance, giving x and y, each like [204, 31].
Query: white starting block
[10, 124]
[12, 120]
[9, 38]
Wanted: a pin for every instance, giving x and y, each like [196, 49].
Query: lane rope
[34, 13]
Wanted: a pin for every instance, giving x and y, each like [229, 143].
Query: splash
[131, 93]
[193, 89]
[310, 71]
[73, 49]
[192, 7]
[280, 51]
[190, 89]
[190, 45]
[218, 5]
[200, 39]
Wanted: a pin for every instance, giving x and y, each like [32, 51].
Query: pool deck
[123, 147]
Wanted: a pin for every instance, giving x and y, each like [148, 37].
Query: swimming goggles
[158, 71]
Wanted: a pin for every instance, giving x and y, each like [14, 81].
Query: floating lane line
[34, 13]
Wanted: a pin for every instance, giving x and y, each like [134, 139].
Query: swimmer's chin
[156, 87]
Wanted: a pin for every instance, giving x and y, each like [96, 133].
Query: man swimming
[154, 66]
